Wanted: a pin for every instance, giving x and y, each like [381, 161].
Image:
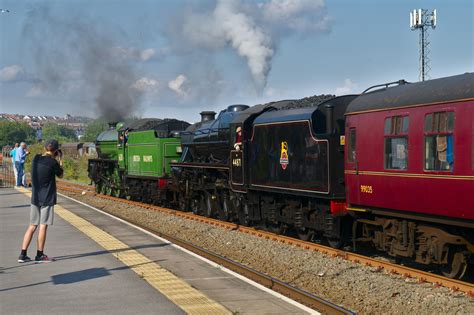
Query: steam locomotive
[393, 167]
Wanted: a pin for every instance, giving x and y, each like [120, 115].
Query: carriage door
[352, 167]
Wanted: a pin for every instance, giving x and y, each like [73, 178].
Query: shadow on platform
[100, 252]
[78, 276]
[18, 206]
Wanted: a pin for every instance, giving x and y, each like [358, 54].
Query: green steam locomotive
[134, 159]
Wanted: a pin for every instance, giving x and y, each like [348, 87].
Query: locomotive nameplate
[147, 158]
[136, 158]
[366, 189]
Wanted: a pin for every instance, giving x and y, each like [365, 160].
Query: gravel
[363, 289]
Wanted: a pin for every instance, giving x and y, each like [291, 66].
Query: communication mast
[421, 20]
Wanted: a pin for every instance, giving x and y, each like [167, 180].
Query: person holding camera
[44, 169]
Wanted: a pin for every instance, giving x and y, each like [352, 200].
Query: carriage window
[396, 142]
[351, 152]
[439, 151]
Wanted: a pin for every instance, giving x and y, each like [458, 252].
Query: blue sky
[177, 58]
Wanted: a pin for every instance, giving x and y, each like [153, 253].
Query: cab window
[351, 152]
[396, 142]
[439, 145]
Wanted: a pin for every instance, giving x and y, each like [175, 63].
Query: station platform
[104, 265]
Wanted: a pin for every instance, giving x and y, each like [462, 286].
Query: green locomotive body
[106, 144]
[134, 159]
[149, 155]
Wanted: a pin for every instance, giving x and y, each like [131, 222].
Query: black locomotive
[276, 164]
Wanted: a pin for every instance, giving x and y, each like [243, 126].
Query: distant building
[77, 123]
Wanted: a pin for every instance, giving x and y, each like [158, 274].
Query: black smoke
[79, 56]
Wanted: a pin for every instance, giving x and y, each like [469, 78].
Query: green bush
[60, 133]
[93, 129]
[13, 132]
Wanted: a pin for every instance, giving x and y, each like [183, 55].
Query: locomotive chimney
[329, 118]
[112, 124]
[207, 115]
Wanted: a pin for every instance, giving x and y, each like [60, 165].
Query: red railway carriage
[409, 168]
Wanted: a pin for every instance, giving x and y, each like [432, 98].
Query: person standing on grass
[12, 154]
[44, 170]
[20, 158]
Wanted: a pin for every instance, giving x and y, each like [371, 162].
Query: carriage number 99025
[366, 189]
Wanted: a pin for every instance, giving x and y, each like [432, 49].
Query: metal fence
[7, 176]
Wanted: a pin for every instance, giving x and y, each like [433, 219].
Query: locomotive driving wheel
[107, 190]
[207, 206]
[196, 205]
[103, 189]
[276, 228]
[336, 242]
[183, 203]
[117, 192]
[304, 234]
[456, 267]
[98, 187]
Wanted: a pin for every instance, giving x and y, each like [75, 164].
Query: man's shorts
[41, 215]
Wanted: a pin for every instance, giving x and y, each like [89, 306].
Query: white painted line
[208, 278]
[220, 267]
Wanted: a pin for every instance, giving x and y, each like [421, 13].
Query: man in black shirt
[44, 170]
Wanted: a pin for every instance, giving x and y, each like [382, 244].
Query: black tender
[409, 94]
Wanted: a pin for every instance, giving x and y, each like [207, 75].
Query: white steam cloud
[246, 38]
[252, 30]
[146, 85]
[348, 87]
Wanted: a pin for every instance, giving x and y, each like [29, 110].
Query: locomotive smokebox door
[237, 160]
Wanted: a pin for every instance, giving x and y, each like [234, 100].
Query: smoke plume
[79, 55]
[252, 29]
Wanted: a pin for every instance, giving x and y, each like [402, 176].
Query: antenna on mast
[421, 20]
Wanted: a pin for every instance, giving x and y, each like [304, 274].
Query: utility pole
[421, 20]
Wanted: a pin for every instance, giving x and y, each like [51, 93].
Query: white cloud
[347, 88]
[146, 85]
[177, 85]
[12, 73]
[135, 53]
[299, 15]
[34, 91]
[147, 54]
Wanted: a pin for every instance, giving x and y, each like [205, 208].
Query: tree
[93, 129]
[60, 133]
[12, 132]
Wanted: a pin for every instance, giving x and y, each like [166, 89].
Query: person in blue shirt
[12, 154]
[20, 158]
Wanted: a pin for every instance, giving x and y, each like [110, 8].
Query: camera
[58, 153]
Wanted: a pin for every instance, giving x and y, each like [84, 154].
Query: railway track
[286, 289]
[408, 272]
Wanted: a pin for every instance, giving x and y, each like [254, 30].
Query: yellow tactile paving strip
[178, 291]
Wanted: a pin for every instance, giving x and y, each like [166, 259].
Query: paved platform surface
[103, 266]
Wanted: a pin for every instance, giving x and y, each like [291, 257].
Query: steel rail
[274, 284]
[408, 272]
